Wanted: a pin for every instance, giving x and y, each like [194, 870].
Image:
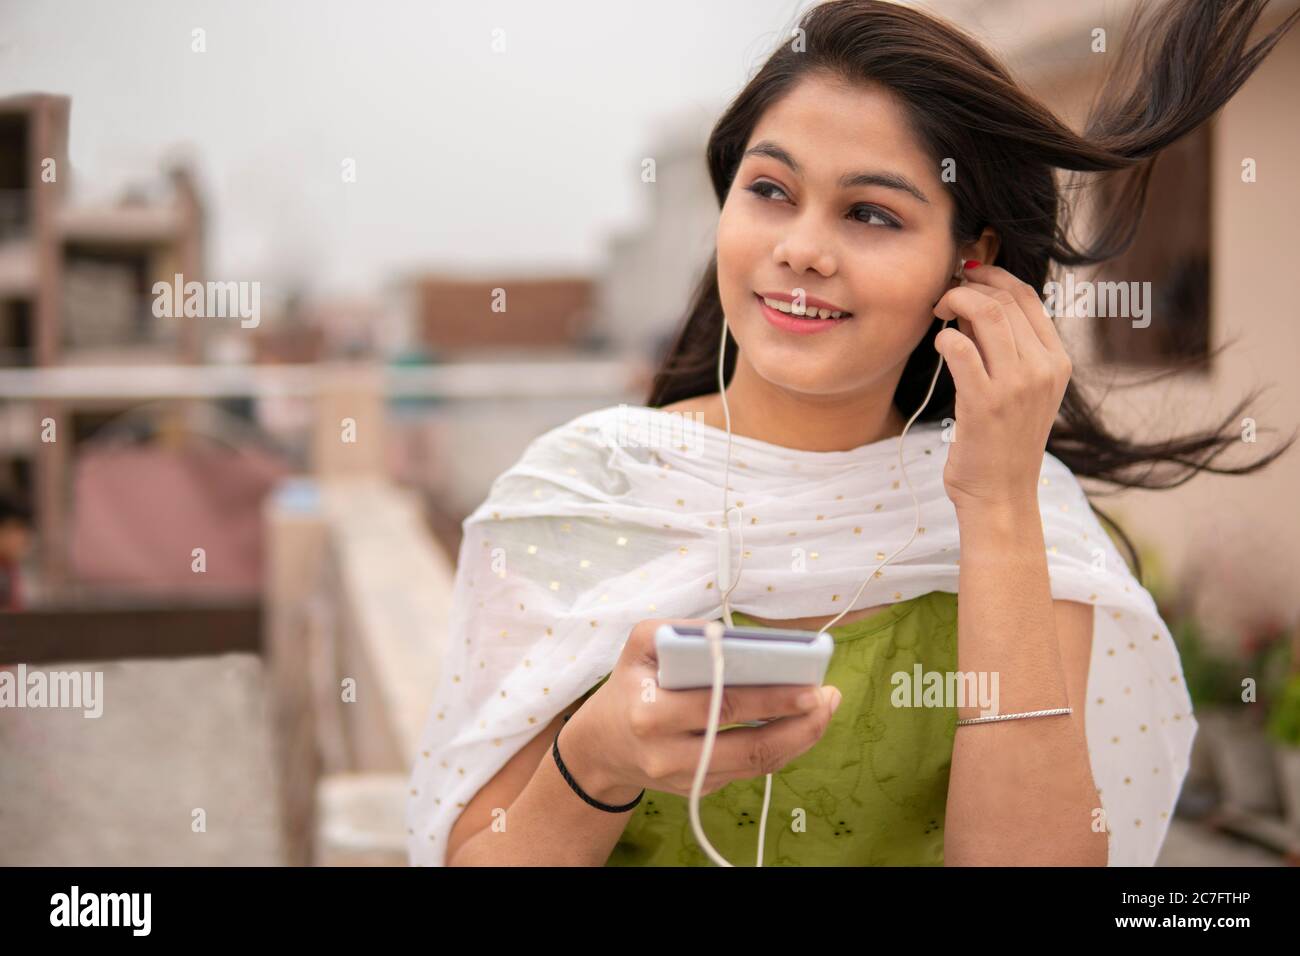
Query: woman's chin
[798, 374]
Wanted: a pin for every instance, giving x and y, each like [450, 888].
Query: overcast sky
[522, 161]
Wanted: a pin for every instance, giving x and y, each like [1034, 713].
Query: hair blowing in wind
[1182, 61]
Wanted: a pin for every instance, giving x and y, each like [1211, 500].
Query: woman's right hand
[632, 734]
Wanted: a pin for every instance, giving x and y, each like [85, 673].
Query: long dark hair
[1189, 57]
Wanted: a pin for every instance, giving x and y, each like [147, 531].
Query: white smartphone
[751, 656]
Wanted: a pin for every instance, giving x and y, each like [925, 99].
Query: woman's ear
[985, 248]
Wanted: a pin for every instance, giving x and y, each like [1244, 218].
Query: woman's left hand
[1010, 371]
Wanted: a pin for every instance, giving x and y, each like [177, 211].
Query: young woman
[884, 174]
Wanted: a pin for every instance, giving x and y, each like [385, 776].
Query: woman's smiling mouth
[784, 313]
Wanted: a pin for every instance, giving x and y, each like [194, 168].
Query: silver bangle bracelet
[1032, 713]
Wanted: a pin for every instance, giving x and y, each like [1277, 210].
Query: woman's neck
[767, 413]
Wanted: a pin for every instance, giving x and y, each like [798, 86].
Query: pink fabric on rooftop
[139, 512]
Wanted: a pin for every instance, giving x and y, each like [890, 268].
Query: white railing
[461, 380]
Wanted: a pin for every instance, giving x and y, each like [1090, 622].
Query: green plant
[1155, 578]
[1266, 647]
[1211, 680]
[1284, 716]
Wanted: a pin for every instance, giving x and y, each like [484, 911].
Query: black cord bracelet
[564, 772]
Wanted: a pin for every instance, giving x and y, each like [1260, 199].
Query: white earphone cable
[713, 630]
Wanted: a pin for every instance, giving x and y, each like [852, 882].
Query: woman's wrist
[1004, 523]
[583, 755]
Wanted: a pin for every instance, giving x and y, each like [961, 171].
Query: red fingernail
[970, 263]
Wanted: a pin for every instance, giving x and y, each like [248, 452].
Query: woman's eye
[766, 189]
[760, 189]
[872, 211]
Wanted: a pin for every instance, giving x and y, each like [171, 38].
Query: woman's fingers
[681, 783]
[688, 710]
[1037, 362]
[963, 359]
[1031, 304]
[1028, 345]
[754, 751]
[990, 323]
[1003, 315]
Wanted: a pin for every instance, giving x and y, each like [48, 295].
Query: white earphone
[713, 630]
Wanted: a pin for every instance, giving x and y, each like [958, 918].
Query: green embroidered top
[871, 792]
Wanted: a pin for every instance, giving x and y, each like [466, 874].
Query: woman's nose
[804, 248]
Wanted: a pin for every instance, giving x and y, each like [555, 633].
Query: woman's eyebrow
[848, 180]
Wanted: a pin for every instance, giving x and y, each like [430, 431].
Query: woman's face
[791, 225]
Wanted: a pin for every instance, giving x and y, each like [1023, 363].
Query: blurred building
[652, 269]
[463, 316]
[508, 341]
[76, 292]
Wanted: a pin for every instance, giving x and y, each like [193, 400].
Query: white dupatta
[613, 518]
